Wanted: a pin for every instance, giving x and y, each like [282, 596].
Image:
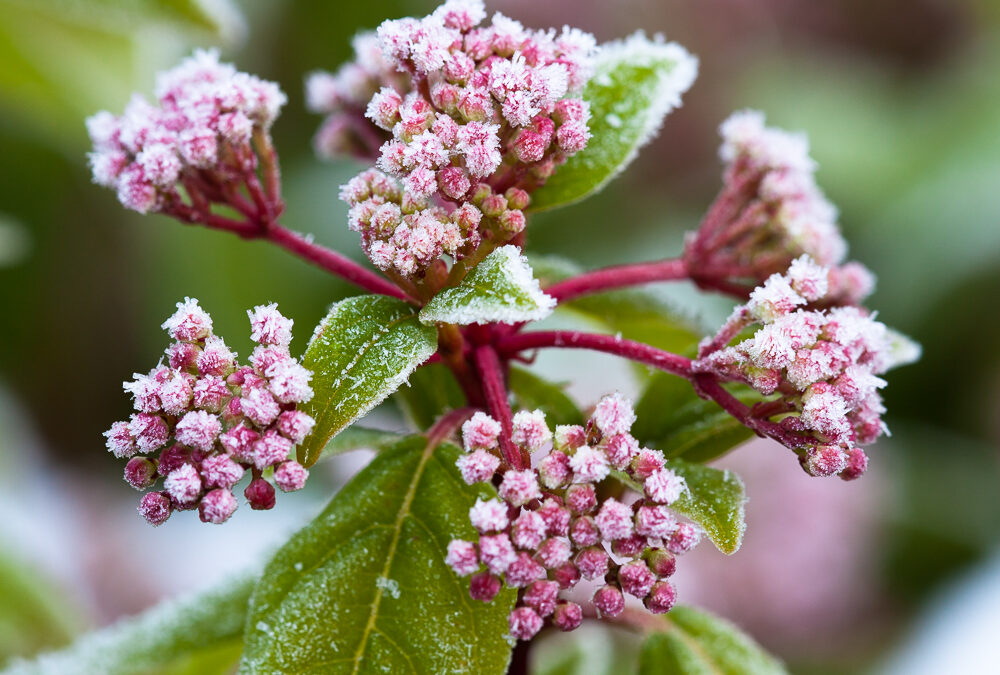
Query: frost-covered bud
[530, 430]
[567, 616]
[614, 520]
[614, 415]
[661, 598]
[140, 473]
[172, 458]
[183, 355]
[383, 109]
[655, 521]
[290, 476]
[523, 570]
[512, 222]
[608, 601]
[662, 563]
[569, 437]
[480, 431]
[647, 462]
[529, 146]
[211, 393]
[488, 516]
[239, 442]
[220, 471]
[636, 579]
[620, 450]
[583, 532]
[572, 137]
[496, 552]
[478, 466]
[824, 460]
[145, 391]
[175, 394]
[541, 596]
[183, 485]
[294, 425]
[567, 575]
[484, 587]
[554, 469]
[524, 623]
[216, 358]
[519, 487]
[808, 279]
[517, 198]
[664, 486]
[629, 547]
[453, 182]
[825, 411]
[217, 506]
[857, 464]
[189, 323]
[149, 431]
[260, 495]
[684, 538]
[155, 507]
[581, 498]
[556, 518]
[268, 326]
[589, 465]
[120, 442]
[554, 552]
[289, 382]
[259, 406]
[462, 557]
[198, 429]
[592, 563]
[528, 530]
[270, 449]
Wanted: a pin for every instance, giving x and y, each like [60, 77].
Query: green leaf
[715, 499]
[532, 392]
[431, 392]
[364, 587]
[595, 648]
[356, 437]
[501, 288]
[361, 352]
[672, 417]
[636, 83]
[169, 635]
[694, 642]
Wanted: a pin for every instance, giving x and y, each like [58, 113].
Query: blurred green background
[901, 101]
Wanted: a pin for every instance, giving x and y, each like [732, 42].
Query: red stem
[491, 375]
[447, 425]
[617, 277]
[708, 387]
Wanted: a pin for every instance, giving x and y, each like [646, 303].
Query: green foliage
[715, 500]
[672, 417]
[199, 633]
[365, 588]
[500, 288]
[595, 648]
[431, 392]
[635, 85]
[356, 437]
[532, 392]
[363, 350]
[694, 642]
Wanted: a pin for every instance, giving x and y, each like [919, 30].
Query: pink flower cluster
[824, 364]
[550, 528]
[203, 420]
[483, 110]
[197, 138]
[771, 210]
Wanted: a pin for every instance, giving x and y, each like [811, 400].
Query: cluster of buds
[199, 140]
[823, 364]
[771, 211]
[551, 528]
[407, 235]
[485, 109]
[203, 420]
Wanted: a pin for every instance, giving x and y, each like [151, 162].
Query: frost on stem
[203, 420]
[196, 141]
[548, 529]
[822, 364]
[464, 121]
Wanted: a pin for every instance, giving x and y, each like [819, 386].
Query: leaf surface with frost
[501, 289]
[364, 587]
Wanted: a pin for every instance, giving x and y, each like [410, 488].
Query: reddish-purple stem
[491, 375]
[618, 276]
[447, 425]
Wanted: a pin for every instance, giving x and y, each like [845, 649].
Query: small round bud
[493, 206]
[592, 563]
[581, 498]
[857, 464]
[541, 596]
[260, 495]
[584, 532]
[155, 507]
[462, 557]
[661, 563]
[488, 516]
[824, 460]
[636, 579]
[620, 450]
[496, 552]
[684, 538]
[524, 623]
[217, 506]
[290, 476]
[519, 487]
[554, 552]
[614, 520]
[528, 530]
[523, 570]
[556, 518]
[183, 485]
[655, 521]
[554, 469]
[567, 616]
[661, 598]
[608, 601]
[480, 431]
[629, 547]
[140, 472]
[517, 198]
[512, 221]
[484, 586]
[220, 471]
[567, 576]
[664, 486]
[647, 462]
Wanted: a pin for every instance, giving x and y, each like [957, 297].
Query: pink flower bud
[219, 471]
[554, 469]
[183, 355]
[636, 579]
[556, 518]
[477, 466]
[211, 393]
[567, 575]
[528, 530]
[519, 487]
[496, 552]
[583, 532]
[189, 323]
[589, 465]
[120, 442]
[661, 563]
[614, 520]
[512, 221]
[198, 429]
[217, 506]
[581, 498]
[567, 616]
[183, 485]
[554, 552]
[523, 570]
[572, 137]
[530, 430]
[259, 406]
[239, 442]
[647, 462]
[289, 382]
[684, 538]
[517, 198]
[155, 507]
[655, 521]
[608, 601]
[592, 562]
[629, 547]
[259, 494]
[824, 460]
[172, 458]
[270, 449]
[664, 486]
[453, 182]
[268, 326]
[614, 415]
[480, 431]
[620, 450]
[290, 476]
[294, 425]
[484, 586]
[661, 598]
[857, 464]
[383, 109]
[541, 596]
[216, 358]
[140, 473]
[149, 431]
[488, 516]
[462, 557]
[524, 623]
[529, 146]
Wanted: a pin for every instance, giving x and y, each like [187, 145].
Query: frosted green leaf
[364, 587]
[363, 350]
[903, 350]
[637, 82]
[501, 288]
[431, 392]
[715, 500]
[182, 631]
[694, 642]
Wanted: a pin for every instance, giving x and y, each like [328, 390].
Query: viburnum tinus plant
[509, 511]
